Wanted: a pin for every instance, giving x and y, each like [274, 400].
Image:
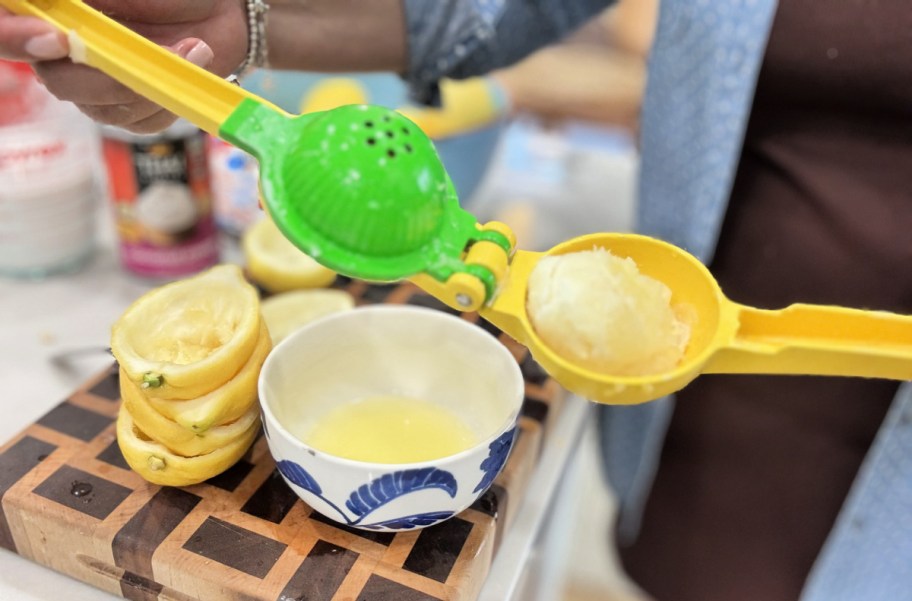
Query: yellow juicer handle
[817, 340]
[178, 85]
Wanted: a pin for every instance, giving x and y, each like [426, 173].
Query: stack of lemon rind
[190, 354]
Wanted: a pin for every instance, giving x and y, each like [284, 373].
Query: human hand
[208, 33]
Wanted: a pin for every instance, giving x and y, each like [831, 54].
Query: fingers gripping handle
[148, 69]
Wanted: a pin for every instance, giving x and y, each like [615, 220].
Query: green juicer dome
[375, 185]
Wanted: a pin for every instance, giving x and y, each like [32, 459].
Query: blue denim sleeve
[462, 38]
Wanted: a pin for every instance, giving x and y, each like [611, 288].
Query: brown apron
[755, 469]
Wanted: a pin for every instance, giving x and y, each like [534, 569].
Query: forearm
[337, 35]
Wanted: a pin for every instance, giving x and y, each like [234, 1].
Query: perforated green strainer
[359, 188]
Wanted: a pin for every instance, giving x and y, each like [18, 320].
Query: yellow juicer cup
[726, 337]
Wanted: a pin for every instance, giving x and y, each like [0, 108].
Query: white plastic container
[50, 179]
[235, 187]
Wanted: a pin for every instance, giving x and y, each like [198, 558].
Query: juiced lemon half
[278, 265]
[224, 404]
[158, 464]
[286, 312]
[185, 339]
[173, 435]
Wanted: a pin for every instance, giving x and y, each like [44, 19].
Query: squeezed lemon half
[158, 464]
[286, 312]
[278, 265]
[224, 404]
[187, 338]
[190, 354]
[175, 437]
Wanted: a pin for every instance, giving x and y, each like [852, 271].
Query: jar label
[162, 201]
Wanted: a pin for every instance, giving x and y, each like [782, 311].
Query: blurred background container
[50, 179]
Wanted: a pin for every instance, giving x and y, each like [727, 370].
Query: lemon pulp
[389, 429]
[597, 310]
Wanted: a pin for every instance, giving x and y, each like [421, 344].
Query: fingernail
[200, 55]
[46, 46]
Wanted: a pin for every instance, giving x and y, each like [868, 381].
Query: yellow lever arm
[150, 70]
[817, 339]
[465, 290]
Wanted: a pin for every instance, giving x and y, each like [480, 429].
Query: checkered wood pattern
[70, 502]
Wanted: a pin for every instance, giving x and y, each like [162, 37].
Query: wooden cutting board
[69, 501]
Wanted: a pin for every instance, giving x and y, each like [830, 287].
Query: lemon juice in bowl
[389, 429]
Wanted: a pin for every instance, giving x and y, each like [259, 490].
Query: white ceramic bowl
[390, 350]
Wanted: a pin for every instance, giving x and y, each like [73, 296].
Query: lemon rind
[175, 437]
[227, 402]
[187, 381]
[176, 470]
[276, 276]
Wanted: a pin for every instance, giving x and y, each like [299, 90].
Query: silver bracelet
[256, 38]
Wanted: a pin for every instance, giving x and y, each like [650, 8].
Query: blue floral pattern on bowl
[498, 451]
[361, 503]
[378, 492]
